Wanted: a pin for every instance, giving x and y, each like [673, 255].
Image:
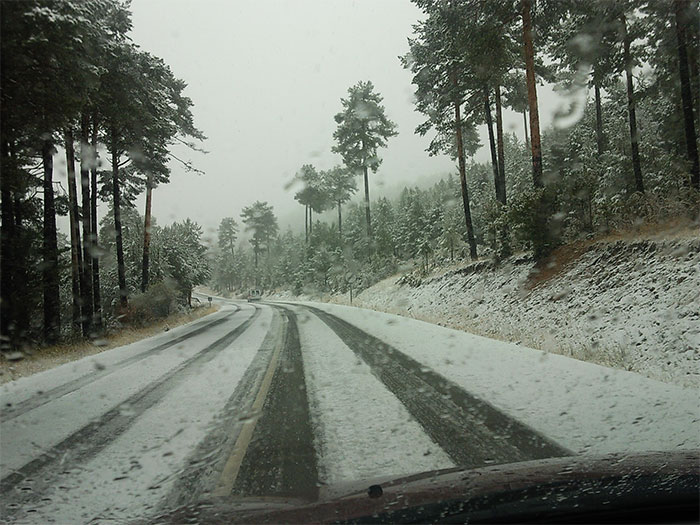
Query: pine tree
[312, 195]
[339, 184]
[185, 256]
[363, 128]
[441, 73]
[260, 219]
[227, 235]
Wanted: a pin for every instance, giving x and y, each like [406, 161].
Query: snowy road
[283, 400]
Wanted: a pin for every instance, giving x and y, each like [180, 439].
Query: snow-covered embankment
[628, 304]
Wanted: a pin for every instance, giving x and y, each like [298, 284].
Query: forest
[625, 153]
[75, 86]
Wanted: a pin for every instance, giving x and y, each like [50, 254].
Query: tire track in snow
[41, 398]
[89, 440]
[281, 459]
[472, 432]
[361, 430]
[206, 463]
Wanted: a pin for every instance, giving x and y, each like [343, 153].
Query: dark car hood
[534, 491]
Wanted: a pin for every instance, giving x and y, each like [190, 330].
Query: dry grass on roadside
[677, 228]
[564, 256]
[49, 357]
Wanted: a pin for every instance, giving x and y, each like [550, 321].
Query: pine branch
[186, 164]
[192, 146]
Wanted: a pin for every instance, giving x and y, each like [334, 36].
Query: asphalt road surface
[234, 406]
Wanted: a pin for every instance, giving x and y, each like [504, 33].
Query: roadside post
[349, 277]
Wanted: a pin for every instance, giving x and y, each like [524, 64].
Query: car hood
[479, 494]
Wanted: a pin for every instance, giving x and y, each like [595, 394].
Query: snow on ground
[585, 407]
[361, 429]
[25, 387]
[34, 432]
[633, 305]
[137, 469]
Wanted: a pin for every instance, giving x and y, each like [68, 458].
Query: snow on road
[361, 429]
[132, 474]
[584, 407]
[33, 433]
[16, 391]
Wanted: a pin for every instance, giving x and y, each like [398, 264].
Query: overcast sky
[266, 78]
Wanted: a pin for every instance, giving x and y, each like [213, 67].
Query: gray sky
[266, 78]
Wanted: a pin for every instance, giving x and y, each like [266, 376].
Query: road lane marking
[233, 464]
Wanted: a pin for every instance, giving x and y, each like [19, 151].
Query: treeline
[470, 57]
[419, 223]
[626, 152]
[75, 85]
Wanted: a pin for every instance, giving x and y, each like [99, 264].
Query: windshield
[274, 253]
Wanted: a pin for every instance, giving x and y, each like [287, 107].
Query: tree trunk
[96, 295]
[146, 236]
[532, 96]
[121, 270]
[8, 277]
[311, 221]
[86, 159]
[600, 138]
[463, 172]
[50, 277]
[631, 106]
[75, 249]
[527, 136]
[306, 222]
[340, 222]
[692, 40]
[367, 214]
[542, 243]
[492, 140]
[686, 96]
[22, 310]
[501, 179]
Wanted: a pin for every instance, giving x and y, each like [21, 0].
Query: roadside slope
[627, 304]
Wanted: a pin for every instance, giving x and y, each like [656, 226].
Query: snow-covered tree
[363, 128]
[185, 255]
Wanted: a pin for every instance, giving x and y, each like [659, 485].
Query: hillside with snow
[632, 304]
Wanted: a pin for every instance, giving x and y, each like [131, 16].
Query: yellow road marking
[233, 464]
